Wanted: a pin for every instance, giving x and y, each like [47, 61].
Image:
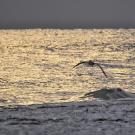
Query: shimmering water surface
[37, 65]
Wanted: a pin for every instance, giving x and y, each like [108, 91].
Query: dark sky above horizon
[67, 13]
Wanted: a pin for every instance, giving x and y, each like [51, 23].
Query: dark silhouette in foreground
[91, 63]
[109, 93]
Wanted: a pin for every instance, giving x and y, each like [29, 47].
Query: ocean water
[37, 65]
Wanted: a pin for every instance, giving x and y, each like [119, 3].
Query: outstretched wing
[102, 70]
[79, 64]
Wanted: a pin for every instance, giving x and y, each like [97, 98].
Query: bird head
[91, 62]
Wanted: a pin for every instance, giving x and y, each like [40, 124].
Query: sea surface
[36, 65]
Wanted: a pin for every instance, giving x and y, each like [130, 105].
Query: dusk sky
[67, 13]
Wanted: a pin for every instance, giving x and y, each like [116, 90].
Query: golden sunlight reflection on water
[37, 65]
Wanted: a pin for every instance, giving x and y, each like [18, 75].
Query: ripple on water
[37, 67]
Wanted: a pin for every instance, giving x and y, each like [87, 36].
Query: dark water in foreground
[36, 65]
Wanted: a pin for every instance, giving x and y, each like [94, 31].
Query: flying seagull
[91, 63]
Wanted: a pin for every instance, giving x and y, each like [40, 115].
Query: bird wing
[79, 64]
[101, 69]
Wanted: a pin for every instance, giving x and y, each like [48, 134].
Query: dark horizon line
[66, 27]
